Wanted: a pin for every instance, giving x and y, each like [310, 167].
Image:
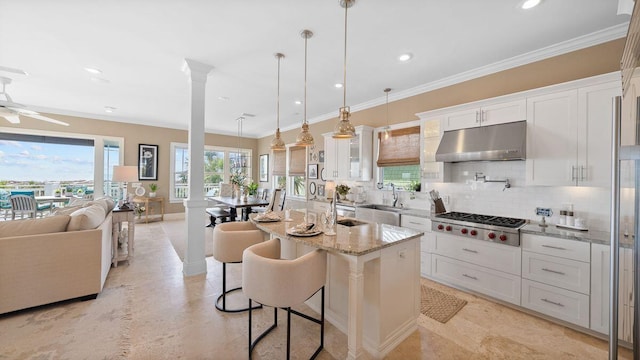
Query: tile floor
[173, 317]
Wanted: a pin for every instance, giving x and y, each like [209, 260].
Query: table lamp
[125, 174]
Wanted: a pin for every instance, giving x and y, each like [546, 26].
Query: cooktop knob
[463, 230]
[440, 226]
[448, 228]
[503, 237]
[491, 235]
[473, 232]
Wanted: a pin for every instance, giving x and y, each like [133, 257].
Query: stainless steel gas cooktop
[497, 229]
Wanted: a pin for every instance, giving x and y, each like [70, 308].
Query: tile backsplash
[467, 195]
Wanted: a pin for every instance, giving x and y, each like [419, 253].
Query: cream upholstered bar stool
[280, 283]
[229, 241]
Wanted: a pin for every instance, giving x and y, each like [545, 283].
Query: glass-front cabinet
[432, 171]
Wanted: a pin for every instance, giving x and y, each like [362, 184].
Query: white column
[194, 260]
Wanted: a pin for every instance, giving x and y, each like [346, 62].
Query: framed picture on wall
[264, 168]
[313, 171]
[321, 156]
[320, 190]
[147, 162]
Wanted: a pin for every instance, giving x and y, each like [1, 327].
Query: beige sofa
[59, 257]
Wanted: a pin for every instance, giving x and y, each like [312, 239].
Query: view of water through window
[24, 161]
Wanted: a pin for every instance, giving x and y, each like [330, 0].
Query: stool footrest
[223, 308]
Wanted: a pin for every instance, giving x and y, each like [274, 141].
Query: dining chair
[5, 204]
[23, 205]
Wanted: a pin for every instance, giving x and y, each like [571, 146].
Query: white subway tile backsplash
[520, 201]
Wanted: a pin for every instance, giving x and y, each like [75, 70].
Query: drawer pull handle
[552, 302]
[470, 277]
[470, 250]
[414, 223]
[554, 247]
[553, 271]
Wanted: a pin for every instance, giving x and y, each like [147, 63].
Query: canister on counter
[570, 218]
[563, 217]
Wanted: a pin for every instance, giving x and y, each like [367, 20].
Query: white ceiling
[140, 46]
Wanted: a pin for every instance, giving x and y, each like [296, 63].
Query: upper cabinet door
[552, 139]
[595, 121]
[503, 113]
[462, 119]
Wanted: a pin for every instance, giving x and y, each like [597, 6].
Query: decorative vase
[152, 194]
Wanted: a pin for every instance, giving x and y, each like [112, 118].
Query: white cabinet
[569, 136]
[426, 241]
[486, 115]
[556, 277]
[432, 171]
[349, 159]
[600, 268]
[482, 266]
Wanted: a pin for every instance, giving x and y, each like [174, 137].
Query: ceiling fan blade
[12, 70]
[44, 118]
[14, 119]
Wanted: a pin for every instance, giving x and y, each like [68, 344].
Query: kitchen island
[373, 280]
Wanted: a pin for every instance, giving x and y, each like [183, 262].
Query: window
[297, 171]
[219, 164]
[399, 156]
[111, 154]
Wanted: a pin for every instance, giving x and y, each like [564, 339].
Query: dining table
[53, 199]
[234, 203]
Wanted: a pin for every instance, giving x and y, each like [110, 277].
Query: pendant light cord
[278, 106]
[344, 82]
[305, 77]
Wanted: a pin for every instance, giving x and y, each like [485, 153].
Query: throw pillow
[87, 218]
[101, 202]
[67, 210]
[51, 224]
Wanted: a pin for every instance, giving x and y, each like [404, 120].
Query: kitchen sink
[350, 222]
[381, 207]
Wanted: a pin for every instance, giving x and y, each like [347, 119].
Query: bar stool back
[272, 281]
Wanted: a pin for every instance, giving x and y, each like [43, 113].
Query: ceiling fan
[12, 111]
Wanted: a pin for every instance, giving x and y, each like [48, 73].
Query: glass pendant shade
[304, 138]
[277, 144]
[344, 129]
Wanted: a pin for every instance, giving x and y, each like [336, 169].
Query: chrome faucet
[395, 195]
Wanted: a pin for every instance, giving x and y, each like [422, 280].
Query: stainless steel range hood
[494, 142]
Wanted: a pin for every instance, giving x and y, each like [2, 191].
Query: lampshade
[305, 138]
[344, 129]
[277, 144]
[125, 173]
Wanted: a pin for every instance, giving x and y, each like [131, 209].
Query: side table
[118, 217]
[146, 201]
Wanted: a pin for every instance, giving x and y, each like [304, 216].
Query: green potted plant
[342, 190]
[252, 189]
[153, 187]
[57, 192]
[415, 186]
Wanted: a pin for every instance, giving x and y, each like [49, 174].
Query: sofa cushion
[87, 218]
[50, 224]
[67, 210]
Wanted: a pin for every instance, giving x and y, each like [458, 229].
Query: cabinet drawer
[564, 273]
[495, 256]
[486, 281]
[568, 249]
[559, 303]
[415, 222]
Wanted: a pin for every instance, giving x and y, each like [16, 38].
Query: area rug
[176, 232]
[438, 305]
[92, 329]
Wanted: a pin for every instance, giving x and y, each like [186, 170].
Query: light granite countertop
[592, 236]
[352, 240]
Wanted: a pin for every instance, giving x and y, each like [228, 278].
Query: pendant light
[387, 128]
[277, 144]
[305, 138]
[344, 129]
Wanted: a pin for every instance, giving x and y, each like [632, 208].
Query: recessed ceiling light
[338, 85]
[223, 98]
[528, 4]
[405, 57]
[109, 109]
[93, 70]
[298, 102]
